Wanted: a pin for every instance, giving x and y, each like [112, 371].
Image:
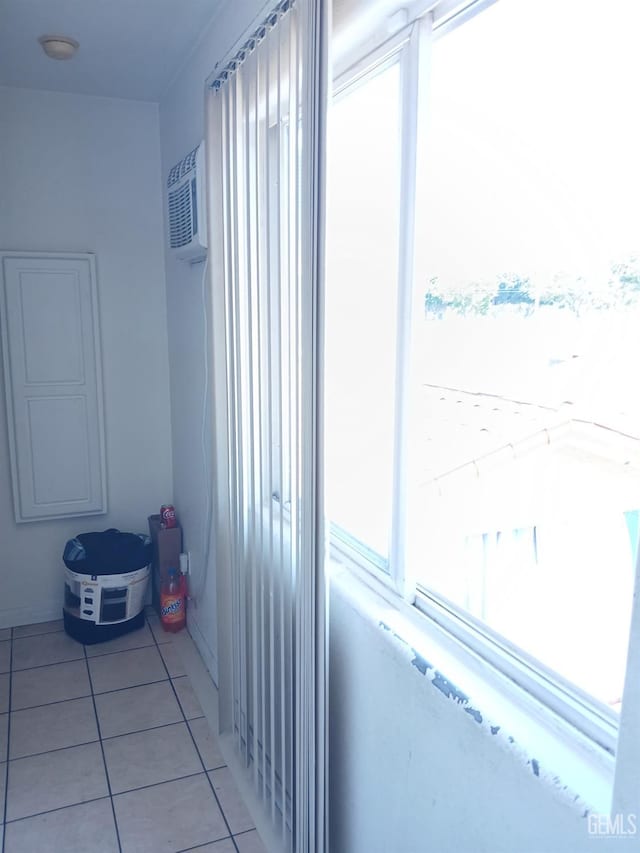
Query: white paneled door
[53, 383]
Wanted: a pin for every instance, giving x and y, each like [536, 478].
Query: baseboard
[31, 614]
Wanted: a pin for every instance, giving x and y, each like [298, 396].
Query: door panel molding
[53, 384]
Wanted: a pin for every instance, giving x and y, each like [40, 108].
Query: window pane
[362, 269]
[527, 498]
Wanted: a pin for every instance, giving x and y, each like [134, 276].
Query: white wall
[181, 129]
[79, 173]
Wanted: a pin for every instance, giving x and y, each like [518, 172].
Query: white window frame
[590, 717]
[593, 718]
[403, 48]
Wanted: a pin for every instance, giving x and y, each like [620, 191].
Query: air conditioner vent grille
[180, 220]
[187, 164]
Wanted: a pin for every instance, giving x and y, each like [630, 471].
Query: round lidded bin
[106, 579]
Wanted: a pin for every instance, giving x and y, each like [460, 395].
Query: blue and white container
[105, 585]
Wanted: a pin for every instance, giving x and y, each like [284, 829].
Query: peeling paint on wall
[419, 662]
[448, 689]
[437, 679]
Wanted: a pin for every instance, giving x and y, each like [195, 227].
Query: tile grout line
[149, 729]
[73, 660]
[130, 687]
[210, 769]
[105, 654]
[54, 702]
[104, 760]
[110, 797]
[57, 809]
[55, 749]
[43, 665]
[6, 774]
[87, 695]
[195, 745]
[158, 784]
[38, 633]
[105, 738]
[206, 844]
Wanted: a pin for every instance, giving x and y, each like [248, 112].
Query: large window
[522, 498]
[530, 272]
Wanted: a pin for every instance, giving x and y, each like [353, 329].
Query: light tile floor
[105, 749]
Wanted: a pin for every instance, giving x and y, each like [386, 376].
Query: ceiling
[128, 48]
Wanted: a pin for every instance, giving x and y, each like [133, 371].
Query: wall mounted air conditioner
[187, 208]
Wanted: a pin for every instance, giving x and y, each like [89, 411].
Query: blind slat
[252, 219]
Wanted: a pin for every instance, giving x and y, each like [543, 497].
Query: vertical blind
[265, 149]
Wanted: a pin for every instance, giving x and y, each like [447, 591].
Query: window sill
[578, 771]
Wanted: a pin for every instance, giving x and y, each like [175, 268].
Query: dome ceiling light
[59, 47]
